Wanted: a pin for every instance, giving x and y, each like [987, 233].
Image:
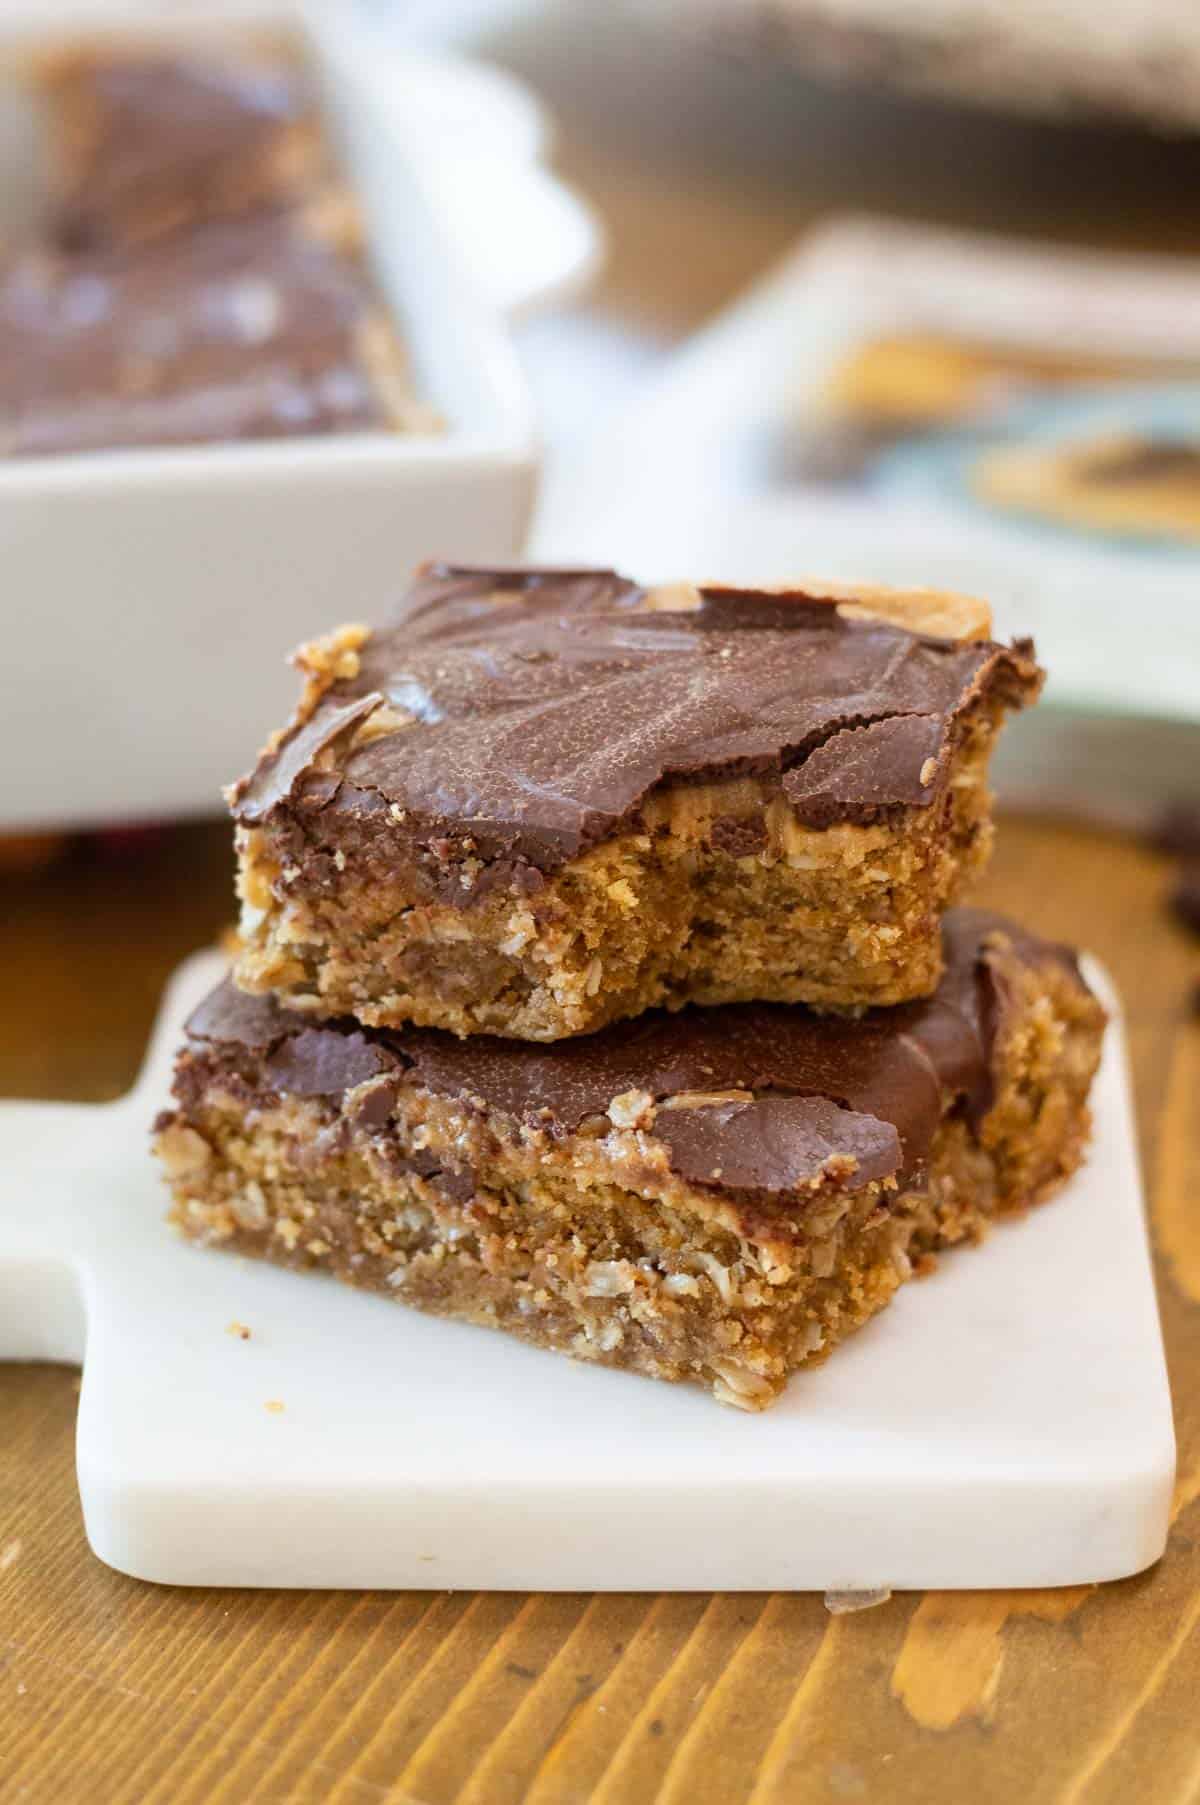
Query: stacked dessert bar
[195, 275]
[598, 976]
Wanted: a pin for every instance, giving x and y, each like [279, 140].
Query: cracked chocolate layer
[525, 716]
[881, 1081]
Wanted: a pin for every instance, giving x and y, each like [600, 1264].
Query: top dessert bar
[544, 800]
[143, 142]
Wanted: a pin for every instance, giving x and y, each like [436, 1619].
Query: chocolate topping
[232, 331]
[534, 710]
[820, 1089]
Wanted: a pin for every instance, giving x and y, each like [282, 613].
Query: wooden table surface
[117, 1693]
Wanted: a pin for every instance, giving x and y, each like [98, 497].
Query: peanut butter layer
[544, 800]
[715, 1195]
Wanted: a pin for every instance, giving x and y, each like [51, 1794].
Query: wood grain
[115, 1693]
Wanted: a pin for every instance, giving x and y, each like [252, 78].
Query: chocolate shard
[228, 1016]
[871, 769]
[309, 1064]
[777, 1144]
[280, 771]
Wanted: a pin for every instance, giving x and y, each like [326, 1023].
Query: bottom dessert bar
[719, 1195]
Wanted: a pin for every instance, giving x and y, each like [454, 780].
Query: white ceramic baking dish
[149, 596]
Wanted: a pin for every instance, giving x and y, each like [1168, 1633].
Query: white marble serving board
[1005, 1423]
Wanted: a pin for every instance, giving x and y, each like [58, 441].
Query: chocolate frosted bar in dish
[143, 141]
[712, 1195]
[249, 329]
[545, 800]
